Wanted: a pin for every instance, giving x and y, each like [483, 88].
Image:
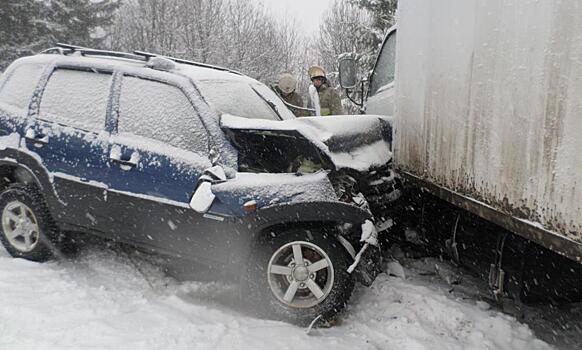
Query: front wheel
[299, 275]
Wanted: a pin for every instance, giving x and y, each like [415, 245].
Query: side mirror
[203, 197]
[347, 71]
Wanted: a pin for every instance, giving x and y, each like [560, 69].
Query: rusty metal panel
[489, 104]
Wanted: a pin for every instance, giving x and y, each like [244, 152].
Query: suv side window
[19, 86]
[385, 66]
[161, 112]
[76, 98]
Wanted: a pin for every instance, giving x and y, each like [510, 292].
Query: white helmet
[287, 83]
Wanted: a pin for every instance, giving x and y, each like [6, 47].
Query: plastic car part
[202, 198]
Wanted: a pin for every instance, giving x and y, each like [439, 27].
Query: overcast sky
[308, 12]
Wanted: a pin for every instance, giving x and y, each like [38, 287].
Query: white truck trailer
[487, 100]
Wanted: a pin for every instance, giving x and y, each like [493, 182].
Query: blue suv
[193, 162]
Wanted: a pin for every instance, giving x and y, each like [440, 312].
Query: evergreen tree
[80, 22]
[29, 26]
[20, 29]
[383, 13]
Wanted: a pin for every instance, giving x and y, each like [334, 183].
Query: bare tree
[346, 28]
[149, 25]
[238, 34]
[201, 27]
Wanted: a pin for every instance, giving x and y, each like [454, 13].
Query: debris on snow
[393, 268]
[448, 274]
[369, 233]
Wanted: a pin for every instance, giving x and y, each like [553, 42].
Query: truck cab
[379, 92]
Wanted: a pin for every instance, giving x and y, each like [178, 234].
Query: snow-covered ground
[106, 299]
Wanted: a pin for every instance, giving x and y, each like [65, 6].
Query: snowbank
[101, 301]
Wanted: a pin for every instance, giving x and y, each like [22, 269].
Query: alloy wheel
[20, 226]
[300, 274]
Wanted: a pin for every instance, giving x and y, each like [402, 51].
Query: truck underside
[510, 253]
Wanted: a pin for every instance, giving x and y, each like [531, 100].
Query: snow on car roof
[189, 71]
[205, 73]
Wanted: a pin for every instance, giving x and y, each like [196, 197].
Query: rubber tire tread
[29, 195]
[257, 293]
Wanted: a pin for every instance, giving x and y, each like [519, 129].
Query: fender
[39, 174]
[336, 213]
[308, 212]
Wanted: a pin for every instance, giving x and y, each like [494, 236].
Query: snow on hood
[269, 189]
[357, 142]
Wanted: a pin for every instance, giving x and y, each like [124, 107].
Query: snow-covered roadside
[101, 301]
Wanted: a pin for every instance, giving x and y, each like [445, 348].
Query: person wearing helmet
[286, 87]
[324, 99]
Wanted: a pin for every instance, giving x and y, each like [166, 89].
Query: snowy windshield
[242, 99]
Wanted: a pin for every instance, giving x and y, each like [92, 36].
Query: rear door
[156, 155]
[68, 137]
[16, 89]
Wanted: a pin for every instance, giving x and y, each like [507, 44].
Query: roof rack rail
[67, 49]
[149, 55]
[70, 47]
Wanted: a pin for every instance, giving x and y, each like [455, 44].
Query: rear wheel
[299, 275]
[25, 224]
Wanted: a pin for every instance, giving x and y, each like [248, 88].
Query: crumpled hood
[356, 142]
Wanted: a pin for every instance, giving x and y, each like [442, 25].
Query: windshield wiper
[290, 105]
[270, 103]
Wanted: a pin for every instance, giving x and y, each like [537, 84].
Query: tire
[26, 228]
[279, 288]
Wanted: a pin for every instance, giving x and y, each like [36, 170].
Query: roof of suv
[120, 60]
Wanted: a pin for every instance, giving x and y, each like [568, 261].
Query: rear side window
[385, 67]
[76, 98]
[20, 85]
[161, 112]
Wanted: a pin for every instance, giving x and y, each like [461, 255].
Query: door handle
[125, 163]
[36, 138]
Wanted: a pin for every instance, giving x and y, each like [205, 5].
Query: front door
[156, 155]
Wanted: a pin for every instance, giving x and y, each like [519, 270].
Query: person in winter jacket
[286, 88]
[324, 99]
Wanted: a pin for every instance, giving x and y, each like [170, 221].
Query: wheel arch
[27, 170]
[309, 212]
[316, 216]
[307, 215]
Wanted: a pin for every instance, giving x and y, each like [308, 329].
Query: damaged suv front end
[339, 160]
[355, 151]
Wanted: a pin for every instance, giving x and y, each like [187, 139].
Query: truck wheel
[299, 275]
[25, 223]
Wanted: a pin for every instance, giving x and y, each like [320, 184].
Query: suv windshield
[244, 100]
